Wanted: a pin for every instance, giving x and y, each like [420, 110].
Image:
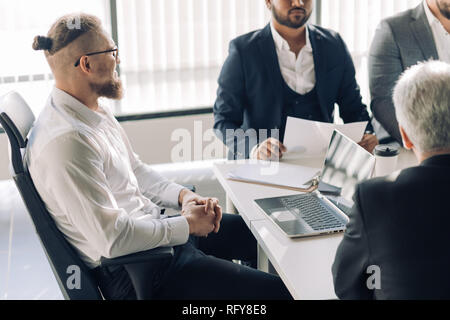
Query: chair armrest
[189, 186]
[160, 253]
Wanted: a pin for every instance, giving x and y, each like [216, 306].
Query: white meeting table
[304, 264]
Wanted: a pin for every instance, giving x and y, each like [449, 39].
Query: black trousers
[201, 269]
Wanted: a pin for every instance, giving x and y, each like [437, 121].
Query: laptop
[325, 210]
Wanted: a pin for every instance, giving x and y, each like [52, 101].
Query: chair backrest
[73, 276]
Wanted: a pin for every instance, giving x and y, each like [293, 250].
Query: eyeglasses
[115, 50]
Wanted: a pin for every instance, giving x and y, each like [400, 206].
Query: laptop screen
[346, 164]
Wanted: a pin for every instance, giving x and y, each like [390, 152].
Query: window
[356, 21]
[171, 51]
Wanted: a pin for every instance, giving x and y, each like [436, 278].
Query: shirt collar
[281, 44]
[63, 99]
[430, 16]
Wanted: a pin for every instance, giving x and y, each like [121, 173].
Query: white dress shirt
[298, 72]
[101, 196]
[441, 36]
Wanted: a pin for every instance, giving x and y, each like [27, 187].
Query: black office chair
[16, 118]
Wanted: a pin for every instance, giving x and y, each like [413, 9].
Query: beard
[291, 22]
[111, 89]
[444, 8]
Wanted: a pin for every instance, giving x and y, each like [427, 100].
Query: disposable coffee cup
[386, 157]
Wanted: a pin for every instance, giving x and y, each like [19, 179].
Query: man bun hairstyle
[66, 30]
[42, 43]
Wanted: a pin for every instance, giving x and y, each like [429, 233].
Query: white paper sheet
[276, 174]
[311, 138]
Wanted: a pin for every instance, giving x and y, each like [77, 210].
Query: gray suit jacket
[400, 41]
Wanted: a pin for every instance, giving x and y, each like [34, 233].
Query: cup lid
[384, 150]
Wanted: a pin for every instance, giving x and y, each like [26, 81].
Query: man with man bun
[108, 203]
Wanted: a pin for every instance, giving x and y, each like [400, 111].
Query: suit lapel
[320, 67]
[423, 34]
[270, 61]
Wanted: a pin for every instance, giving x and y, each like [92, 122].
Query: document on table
[276, 174]
[311, 138]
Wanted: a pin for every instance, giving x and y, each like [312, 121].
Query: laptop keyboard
[344, 209]
[315, 214]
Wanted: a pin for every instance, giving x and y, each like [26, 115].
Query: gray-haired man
[396, 243]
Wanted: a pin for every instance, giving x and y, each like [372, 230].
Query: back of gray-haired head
[422, 105]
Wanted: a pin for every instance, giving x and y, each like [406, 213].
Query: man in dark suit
[396, 242]
[286, 69]
[400, 42]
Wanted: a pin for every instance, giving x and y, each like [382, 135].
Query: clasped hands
[273, 149]
[203, 214]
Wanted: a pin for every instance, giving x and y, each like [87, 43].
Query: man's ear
[406, 141]
[85, 65]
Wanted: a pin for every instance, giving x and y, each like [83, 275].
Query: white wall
[152, 140]
[155, 140]
[4, 161]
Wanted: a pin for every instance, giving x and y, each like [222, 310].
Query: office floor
[24, 270]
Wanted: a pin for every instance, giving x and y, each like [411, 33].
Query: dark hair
[65, 30]
[42, 43]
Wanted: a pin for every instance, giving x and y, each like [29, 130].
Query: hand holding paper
[271, 149]
[369, 142]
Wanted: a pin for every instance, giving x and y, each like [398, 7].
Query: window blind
[356, 21]
[172, 51]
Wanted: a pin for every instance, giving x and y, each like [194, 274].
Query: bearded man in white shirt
[108, 203]
[401, 41]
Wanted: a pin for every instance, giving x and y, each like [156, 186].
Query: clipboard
[284, 176]
[312, 188]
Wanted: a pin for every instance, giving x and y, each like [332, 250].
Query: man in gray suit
[401, 41]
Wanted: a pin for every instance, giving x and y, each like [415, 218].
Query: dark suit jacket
[400, 41]
[250, 93]
[401, 224]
